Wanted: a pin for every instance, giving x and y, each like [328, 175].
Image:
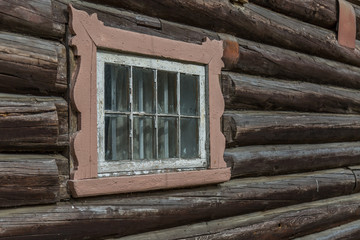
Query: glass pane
[189, 99]
[189, 138]
[168, 140]
[144, 138]
[116, 87]
[116, 137]
[143, 84]
[167, 97]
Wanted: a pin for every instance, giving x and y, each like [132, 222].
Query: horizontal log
[322, 13]
[281, 159]
[357, 12]
[250, 21]
[283, 223]
[31, 65]
[264, 128]
[274, 62]
[356, 2]
[259, 59]
[349, 231]
[119, 215]
[131, 21]
[28, 182]
[256, 93]
[33, 17]
[61, 162]
[33, 123]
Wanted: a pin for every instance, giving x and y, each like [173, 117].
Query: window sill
[141, 183]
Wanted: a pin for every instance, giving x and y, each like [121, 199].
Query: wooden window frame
[90, 34]
[133, 166]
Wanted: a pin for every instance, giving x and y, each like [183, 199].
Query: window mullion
[178, 112]
[131, 114]
[156, 116]
[113, 120]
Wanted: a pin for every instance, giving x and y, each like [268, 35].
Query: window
[149, 111]
[151, 115]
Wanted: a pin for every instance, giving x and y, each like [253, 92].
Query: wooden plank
[322, 13]
[244, 128]
[42, 64]
[349, 231]
[33, 17]
[28, 182]
[256, 93]
[33, 123]
[126, 215]
[281, 159]
[259, 59]
[282, 223]
[250, 21]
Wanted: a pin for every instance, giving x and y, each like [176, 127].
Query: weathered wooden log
[33, 123]
[250, 21]
[357, 2]
[259, 59]
[95, 218]
[283, 223]
[254, 93]
[31, 65]
[131, 21]
[356, 172]
[281, 159]
[61, 162]
[357, 12]
[274, 62]
[349, 231]
[322, 13]
[35, 17]
[262, 128]
[28, 182]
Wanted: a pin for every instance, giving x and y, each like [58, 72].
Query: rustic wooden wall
[291, 123]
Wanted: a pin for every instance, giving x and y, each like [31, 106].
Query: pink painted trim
[114, 185]
[347, 25]
[91, 34]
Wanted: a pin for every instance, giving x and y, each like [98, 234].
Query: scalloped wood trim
[91, 34]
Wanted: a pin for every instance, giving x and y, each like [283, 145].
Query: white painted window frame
[138, 167]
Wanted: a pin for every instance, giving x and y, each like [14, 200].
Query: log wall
[291, 123]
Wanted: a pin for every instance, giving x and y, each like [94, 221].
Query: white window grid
[133, 166]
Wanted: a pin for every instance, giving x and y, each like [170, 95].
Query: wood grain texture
[281, 159]
[357, 12]
[35, 17]
[254, 58]
[282, 223]
[259, 59]
[28, 182]
[256, 93]
[250, 21]
[245, 128]
[322, 13]
[61, 162]
[127, 20]
[33, 123]
[349, 231]
[126, 215]
[42, 64]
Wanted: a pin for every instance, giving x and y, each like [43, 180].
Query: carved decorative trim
[91, 34]
[347, 25]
